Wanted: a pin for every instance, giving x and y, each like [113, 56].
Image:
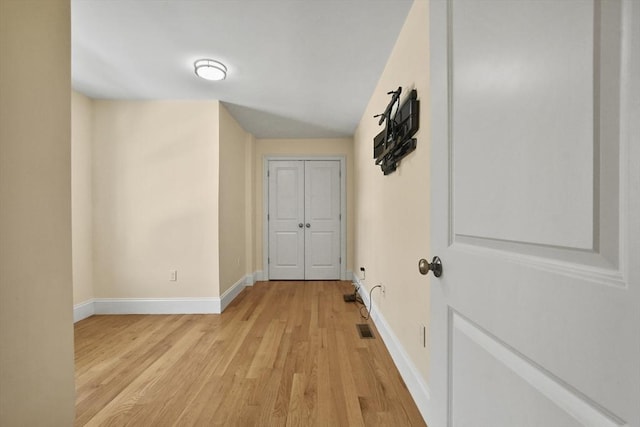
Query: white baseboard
[83, 310]
[203, 305]
[231, 293]
[258, 276]
[199, 305]
[249, 280]
[410, 374]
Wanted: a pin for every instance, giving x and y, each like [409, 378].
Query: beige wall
[300, 147]
[155, 192]
[36, 322]
[81, 197]
[392, 212]
[232, 201]
[249, 182]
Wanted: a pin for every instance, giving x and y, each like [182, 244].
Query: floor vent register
[365, 331]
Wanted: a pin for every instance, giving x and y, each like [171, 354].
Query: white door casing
[535, 177]
[305, 201]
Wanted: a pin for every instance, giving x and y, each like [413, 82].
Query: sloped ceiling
[297, 68]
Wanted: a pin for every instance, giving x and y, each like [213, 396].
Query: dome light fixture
[210, 69]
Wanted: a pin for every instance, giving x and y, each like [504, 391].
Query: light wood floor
[282, 354]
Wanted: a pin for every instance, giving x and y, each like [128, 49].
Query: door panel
[533, 111]
[520, 392]
[287, 249]
[535, 320]
[322, 240]
[515, 399]
[321, 180]
[287, 195]
[286, 212]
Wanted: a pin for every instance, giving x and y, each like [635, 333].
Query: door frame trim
[343, 208]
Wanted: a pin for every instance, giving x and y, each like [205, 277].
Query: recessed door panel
[287, 255]
[514, 396]
[320, 193]
[324, 255]
[533, 111]
[288, 193]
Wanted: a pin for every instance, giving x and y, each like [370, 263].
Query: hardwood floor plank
[330, 410]
[117, 372]
[350, 392]
[118, 411]
[204, 403]
[282, 354]
[178, 386]
[301, 401]
[265, 356]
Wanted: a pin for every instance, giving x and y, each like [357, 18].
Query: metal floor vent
[364, 330]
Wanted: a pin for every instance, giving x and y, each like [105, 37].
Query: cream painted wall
[392, 212]
[232, 201]
[81, 197]
[155, 192]
[36, 322]
[300, 147]
[249, 181]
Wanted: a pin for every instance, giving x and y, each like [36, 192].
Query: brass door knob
[435, 265]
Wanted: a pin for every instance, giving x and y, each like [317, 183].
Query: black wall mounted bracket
[401, 122]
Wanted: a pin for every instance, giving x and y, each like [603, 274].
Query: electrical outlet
[173, 275]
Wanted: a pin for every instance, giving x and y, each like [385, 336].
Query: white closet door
[535, 201]
[286, 220]
[322, 220]
[304, 220]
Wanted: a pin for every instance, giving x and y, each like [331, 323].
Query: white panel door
[322, 220]
[535, 177]
[304, 220]
[286, 217]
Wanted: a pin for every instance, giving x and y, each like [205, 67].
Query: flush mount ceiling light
[210, 70]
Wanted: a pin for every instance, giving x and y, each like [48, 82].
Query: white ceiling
[297, 68]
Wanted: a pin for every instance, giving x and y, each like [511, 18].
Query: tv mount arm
[394, 99]
[395, 141]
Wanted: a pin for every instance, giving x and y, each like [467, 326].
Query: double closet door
[304, 220]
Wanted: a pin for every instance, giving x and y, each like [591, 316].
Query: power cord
[364, 307]
[356, 295]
